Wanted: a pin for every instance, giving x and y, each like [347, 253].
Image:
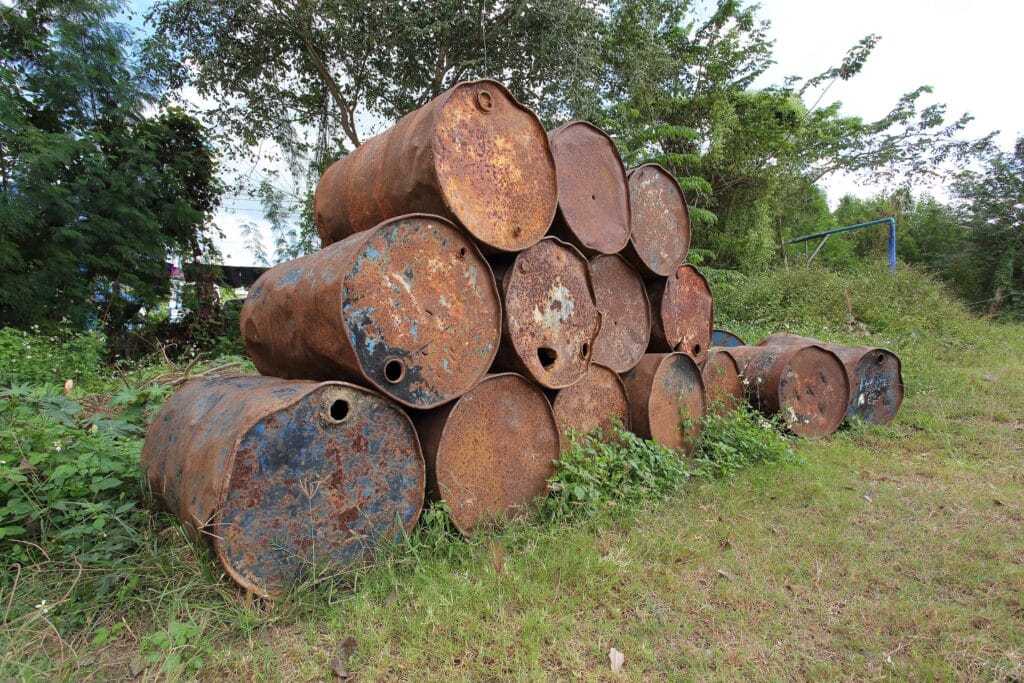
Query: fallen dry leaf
[346, 648]
[69, 384]
[616, 659]
[726, 575]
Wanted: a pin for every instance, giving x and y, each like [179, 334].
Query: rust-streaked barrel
[722, 382]
[807, 386]
[875, 376]
[625, 313]
[661, 389]
[684, 312]
[725, 338]
[276, 475]
[659, 236]
[409, 307]
[491, 452]
[593, 195]
[473, 154]
[592, 402]
[550, 319]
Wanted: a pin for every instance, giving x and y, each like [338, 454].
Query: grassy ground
[893, 552]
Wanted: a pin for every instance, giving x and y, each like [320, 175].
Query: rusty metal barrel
[593, 195]
[684, 312]
[409, 307]
[592, 402]
[473, 154]
[550, 319]
[725, 338]
[663, 389]
[659, 236]
[625, 313]
[276, 476]
[807, 385]
[491, 452]
[722, 382]
[875, 376]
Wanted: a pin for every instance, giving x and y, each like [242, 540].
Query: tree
[314, 77]
[758, 150]
[992, 207]
[94, 194]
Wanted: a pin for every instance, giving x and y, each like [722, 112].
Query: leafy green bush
[738, 439]
[37, 358]
[598, 469]
[70, 483]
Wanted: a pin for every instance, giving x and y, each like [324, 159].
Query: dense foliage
[94, 193]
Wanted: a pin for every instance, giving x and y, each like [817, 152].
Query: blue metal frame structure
[825, 235]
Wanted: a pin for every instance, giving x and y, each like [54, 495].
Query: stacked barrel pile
[484, 286]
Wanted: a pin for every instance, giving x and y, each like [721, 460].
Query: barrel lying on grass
[665, 389]
[807, 386]
[278, 475]
[491, 452]
[592, 402]
[472, 154]
[722, 382]
[409, 307]
[876, 380]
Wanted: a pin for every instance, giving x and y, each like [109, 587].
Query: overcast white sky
[969, 52]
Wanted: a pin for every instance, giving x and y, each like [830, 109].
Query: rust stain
[592, 402]
[276, 475]
[490, 453]
[875, 376]
[662, 389]
[660, 222]
[625, 313]
[473, 155]
[806, 386]
[409, 307]
[550, 318]
[593, 194]
[684, 312]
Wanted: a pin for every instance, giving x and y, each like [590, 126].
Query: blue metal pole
[892, 245]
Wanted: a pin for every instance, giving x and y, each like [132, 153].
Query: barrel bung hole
[585, 350]
[339, 409]
[394, 371]
[547, 357]
[880, 358]
[462, 252]
[697, 349]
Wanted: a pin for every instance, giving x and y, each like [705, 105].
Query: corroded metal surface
[806, 386]
[875, 376]
[660, 222]
[277, 475]
[410, 307]
[684, 312]
[473, 154]
[722, 381]
[550, 319]
[625, 313]
[662, 389]
[490, 453]
[593, 195]
[592, 402]
[725, 338]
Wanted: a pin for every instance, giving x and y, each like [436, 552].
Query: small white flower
[57, 446]
[43, 607]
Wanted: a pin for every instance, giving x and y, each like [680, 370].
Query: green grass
[883, 552]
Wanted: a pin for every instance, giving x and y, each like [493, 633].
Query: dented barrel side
[722, 381]
[550, 318]
[684, 312]
[490, 453]
[663, 390]
[473, 154]
[592, 403]
[625, 313]
[659, 237]
[593, 194]
[875, 376]
[276, 476]
[409, 307]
